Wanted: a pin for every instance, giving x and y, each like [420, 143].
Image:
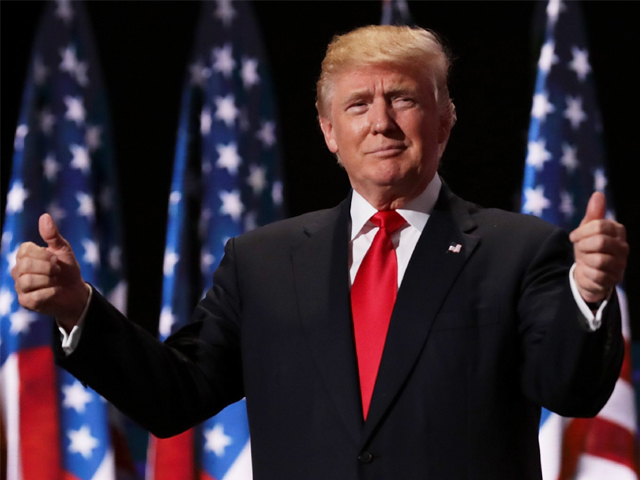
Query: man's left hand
[601, 249]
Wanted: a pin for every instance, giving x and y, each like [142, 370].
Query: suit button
[365, 457]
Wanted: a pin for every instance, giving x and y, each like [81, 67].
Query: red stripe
[611, 441]
[625, 374]
[205, 476]
[70, 476]
[39, 424]
[173, 458]
[573, 444]
[597, 437]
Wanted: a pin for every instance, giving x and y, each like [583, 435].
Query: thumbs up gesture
[600, 249]
[48, 279]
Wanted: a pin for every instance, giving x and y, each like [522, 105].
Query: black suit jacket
[478, 340]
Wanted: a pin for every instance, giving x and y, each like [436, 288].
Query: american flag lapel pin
[455, 248]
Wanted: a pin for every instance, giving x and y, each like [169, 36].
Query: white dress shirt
[416, 213]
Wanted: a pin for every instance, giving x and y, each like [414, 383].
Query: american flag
[565, 163]
[225, 182]
[62, 164]
[395, 12]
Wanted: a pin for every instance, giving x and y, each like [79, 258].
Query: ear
[444, 129]
[328, 132]
[443, 134]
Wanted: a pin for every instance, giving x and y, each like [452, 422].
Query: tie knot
[389, 220]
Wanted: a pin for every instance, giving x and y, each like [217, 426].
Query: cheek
[354, 132]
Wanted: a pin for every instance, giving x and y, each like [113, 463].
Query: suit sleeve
[167, 388]
[567, 368]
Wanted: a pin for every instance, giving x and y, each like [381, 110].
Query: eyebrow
[357, 95]
[401, 90]
[365, 92]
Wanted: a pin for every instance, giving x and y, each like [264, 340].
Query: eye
[358, 107]
[404, 102]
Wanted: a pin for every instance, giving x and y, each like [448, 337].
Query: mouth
[388, 150]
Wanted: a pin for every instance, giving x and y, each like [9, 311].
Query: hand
[48, 280]
[601, 249]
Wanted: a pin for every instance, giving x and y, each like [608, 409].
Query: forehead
[372, 79]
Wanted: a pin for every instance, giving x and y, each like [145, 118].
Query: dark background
[144, 48]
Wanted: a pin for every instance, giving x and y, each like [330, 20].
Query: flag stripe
[627, 369]
[549, 434]
[620, 409]
[241, 469]
[9, 382]
[624, 313]
[594, 468]
[106, 470]
[610, 441]
[595, 437]
[39, 424]
[573, 444]
[172, 458]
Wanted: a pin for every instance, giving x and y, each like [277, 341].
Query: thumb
[596, 208]
[50, 234]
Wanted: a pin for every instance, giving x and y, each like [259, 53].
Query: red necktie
[373, 295]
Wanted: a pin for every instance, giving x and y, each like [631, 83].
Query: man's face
[383, 124]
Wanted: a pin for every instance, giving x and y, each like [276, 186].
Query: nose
[381, 117]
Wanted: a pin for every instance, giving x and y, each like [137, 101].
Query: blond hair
[387, 44]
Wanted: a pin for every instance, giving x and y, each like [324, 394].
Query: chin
[388, 181]
[389, 171]
[396, 177]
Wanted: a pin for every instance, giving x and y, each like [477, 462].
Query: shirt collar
[416, 212]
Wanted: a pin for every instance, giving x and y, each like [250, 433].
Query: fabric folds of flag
[565, 163]
[225, 182]
[395, 12]
[62, 164]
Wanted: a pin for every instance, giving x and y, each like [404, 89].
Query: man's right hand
[48, 279]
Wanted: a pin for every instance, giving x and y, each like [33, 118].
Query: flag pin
[455, 248]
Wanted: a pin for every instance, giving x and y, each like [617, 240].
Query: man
[347, 376]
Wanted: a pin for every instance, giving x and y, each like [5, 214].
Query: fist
[600, 249]
[48, 279]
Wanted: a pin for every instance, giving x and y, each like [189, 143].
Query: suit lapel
[429, 276]
[321, 272]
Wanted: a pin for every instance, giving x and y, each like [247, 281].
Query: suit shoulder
[506, 226]
[518, 237]
[502, 219]
[288, 230]
[494, 220]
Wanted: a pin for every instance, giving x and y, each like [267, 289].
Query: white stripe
[596, 468]
[241, 468]
[624, 313]
[118, 297]
[550, 439]
[149, 473]
[620, 408]
[107, 469]
[9, 388]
